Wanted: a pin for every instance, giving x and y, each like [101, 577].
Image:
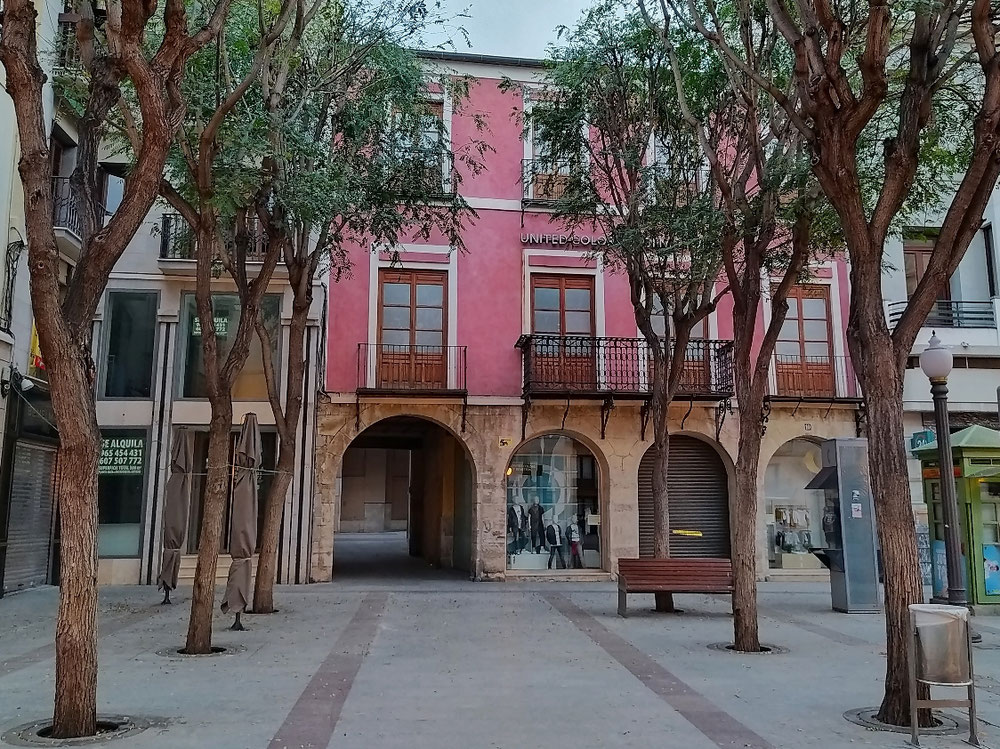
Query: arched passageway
[406, 493]
[698, 486]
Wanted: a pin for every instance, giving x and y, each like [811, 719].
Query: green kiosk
[976, 451]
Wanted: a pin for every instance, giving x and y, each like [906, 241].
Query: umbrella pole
[238, 625]
[166, 595]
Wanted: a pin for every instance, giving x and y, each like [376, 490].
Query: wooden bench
[681, 575]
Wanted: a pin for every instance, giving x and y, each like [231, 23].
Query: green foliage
[613, 150]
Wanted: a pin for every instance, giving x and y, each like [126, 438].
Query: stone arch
[441, 437]
[702, 498]
[793, 512]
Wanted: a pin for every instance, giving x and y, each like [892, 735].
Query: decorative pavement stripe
[313, 717]
[816, 629]
[719, 726]
[44, 652]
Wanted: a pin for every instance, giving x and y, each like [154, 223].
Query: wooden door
[916, 256]
[412, 351]
[804, 352]
[562, 320]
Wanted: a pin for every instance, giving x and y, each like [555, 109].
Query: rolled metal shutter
[29, 535]
[699, 500]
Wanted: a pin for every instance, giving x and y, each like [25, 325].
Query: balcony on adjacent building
[814, 378]
[413, 370]
[950, 314]
[587, 367]
[66, 221]
[177, 240]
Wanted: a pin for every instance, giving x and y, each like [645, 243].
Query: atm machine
[851, 551]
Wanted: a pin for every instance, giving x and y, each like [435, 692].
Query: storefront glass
[794, 514]
[553, 512]
[131, 338]
[250, 383]
[120, 480]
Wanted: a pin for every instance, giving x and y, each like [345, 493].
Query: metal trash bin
[940, 655]
[942, 644]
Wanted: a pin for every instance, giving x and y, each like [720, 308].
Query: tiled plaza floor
[419, 658]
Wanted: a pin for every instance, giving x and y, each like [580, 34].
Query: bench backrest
[701, 569]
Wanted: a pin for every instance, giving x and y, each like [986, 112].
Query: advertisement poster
[121, 456]
[991, 565]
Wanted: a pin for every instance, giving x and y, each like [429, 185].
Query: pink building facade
[493, 402]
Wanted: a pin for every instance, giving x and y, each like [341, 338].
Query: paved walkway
[428, 659]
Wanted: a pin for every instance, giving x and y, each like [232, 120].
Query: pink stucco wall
[490, 294]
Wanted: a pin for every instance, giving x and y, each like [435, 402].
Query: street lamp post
[936, 362]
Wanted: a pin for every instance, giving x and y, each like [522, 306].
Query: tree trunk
[199, 636]
[661, 459]
[75, 712]
[267, 560]
[263, 594]
[894, 517]
[744, 531]
[881, 370]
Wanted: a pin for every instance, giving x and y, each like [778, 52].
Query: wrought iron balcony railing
[583, 366]
[177, 239]
[64, 211]
[431, 168]
[545, 180]
[948, 314]
[404, 368]
[814, 378]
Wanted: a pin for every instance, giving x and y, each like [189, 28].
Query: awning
[825, 479]
[982, 472]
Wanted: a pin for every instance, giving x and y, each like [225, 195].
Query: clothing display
[536, 527]
[552, 496]
[517, 523]
[573, 535]
[554, 537]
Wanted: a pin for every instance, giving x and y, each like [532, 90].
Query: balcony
[543, 180]
[428, 170]
[396, 369]
[177, 239]
[67, 52]
[814, 378]
[583, 367]
[66, 221]
[948, 314]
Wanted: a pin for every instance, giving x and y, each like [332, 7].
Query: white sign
[855, 509]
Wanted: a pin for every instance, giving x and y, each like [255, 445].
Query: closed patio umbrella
[176, 504]
[243, 529]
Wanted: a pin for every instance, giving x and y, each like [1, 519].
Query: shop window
[121, 477]
[795, 519]
[131, 344]
[250, 383]
[268, 457]
[553, 512]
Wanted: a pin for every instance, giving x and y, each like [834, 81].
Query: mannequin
[536, 526]
[517, 523]
[554, 536]
[573, 535]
